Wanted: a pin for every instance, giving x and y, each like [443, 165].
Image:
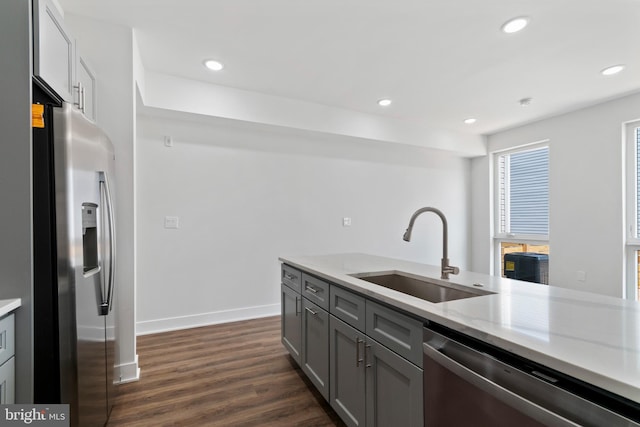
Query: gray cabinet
[348, 307]
[315, 290]
[315, 346]
[291, 277]
[370, 384]
[347, 372]
[305, 324]
[291, 322]
[364, 357]
[397, 331]
[394, 389]
[7, 360]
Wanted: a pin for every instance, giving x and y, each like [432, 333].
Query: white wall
[109, 50]
[247, 194]
[195, 97]
[586, 194]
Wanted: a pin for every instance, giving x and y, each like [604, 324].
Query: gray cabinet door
[394, 389]
[315, 346]
[291, 321]
[347, 372]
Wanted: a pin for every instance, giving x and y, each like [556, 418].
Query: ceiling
[440, 61]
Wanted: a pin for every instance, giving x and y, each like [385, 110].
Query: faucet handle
[447, 269]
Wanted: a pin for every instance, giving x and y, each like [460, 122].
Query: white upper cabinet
[54, 49]
[85, 88]
[57, 62]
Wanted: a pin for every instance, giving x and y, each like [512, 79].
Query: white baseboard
[205, 319]
[127, 372]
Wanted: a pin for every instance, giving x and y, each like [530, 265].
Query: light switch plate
[346, 222]
[171, 222]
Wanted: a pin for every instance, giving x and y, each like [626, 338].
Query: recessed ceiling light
[514, 25]
[384, 102]
[609, 71]
[213, 65]
[469, 121]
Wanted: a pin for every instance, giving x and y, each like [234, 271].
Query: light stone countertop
[8, 305]
[592, 337]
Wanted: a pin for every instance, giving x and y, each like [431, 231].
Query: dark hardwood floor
[234, 374]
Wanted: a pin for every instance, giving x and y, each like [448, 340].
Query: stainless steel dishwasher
[470, 383]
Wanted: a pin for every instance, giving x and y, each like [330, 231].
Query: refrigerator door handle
[107, 305]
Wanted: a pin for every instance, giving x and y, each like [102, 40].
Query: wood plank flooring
[234, 374]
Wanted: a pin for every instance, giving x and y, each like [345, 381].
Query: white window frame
[499, 236]
[632, 235]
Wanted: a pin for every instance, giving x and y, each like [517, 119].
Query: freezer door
[84, 163]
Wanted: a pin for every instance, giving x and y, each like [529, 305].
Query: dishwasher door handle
[508, 397]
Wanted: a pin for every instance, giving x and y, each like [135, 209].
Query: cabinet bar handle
[366, 346]
[311, 289]
[289, 276]
[311, 311]
[358, 360]
[297, 312]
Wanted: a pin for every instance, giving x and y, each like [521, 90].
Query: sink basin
[419, 288]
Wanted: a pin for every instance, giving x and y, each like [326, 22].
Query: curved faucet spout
[446, 269]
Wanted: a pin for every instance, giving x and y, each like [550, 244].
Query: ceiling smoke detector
[525, 102]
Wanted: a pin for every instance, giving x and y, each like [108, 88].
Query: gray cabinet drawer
[6, 338]
[397, 331]
[348, 307]
[7, 382]
[291, 277]
[315, 290]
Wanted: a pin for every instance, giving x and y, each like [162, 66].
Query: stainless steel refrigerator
[74, 262]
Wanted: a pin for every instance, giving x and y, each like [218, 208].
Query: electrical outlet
[581, 276]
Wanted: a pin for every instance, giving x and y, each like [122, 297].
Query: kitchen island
[591, 337]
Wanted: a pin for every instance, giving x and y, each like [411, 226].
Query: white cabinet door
[86, 95]
[54, 49]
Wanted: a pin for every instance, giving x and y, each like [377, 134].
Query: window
[522, 213]
[632, 137]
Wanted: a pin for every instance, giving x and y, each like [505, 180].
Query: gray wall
[15, 179]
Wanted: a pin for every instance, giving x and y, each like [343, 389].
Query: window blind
[525, 188]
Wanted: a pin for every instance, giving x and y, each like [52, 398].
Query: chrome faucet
[445, 268]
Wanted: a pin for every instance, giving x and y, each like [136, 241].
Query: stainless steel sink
[418, 287]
